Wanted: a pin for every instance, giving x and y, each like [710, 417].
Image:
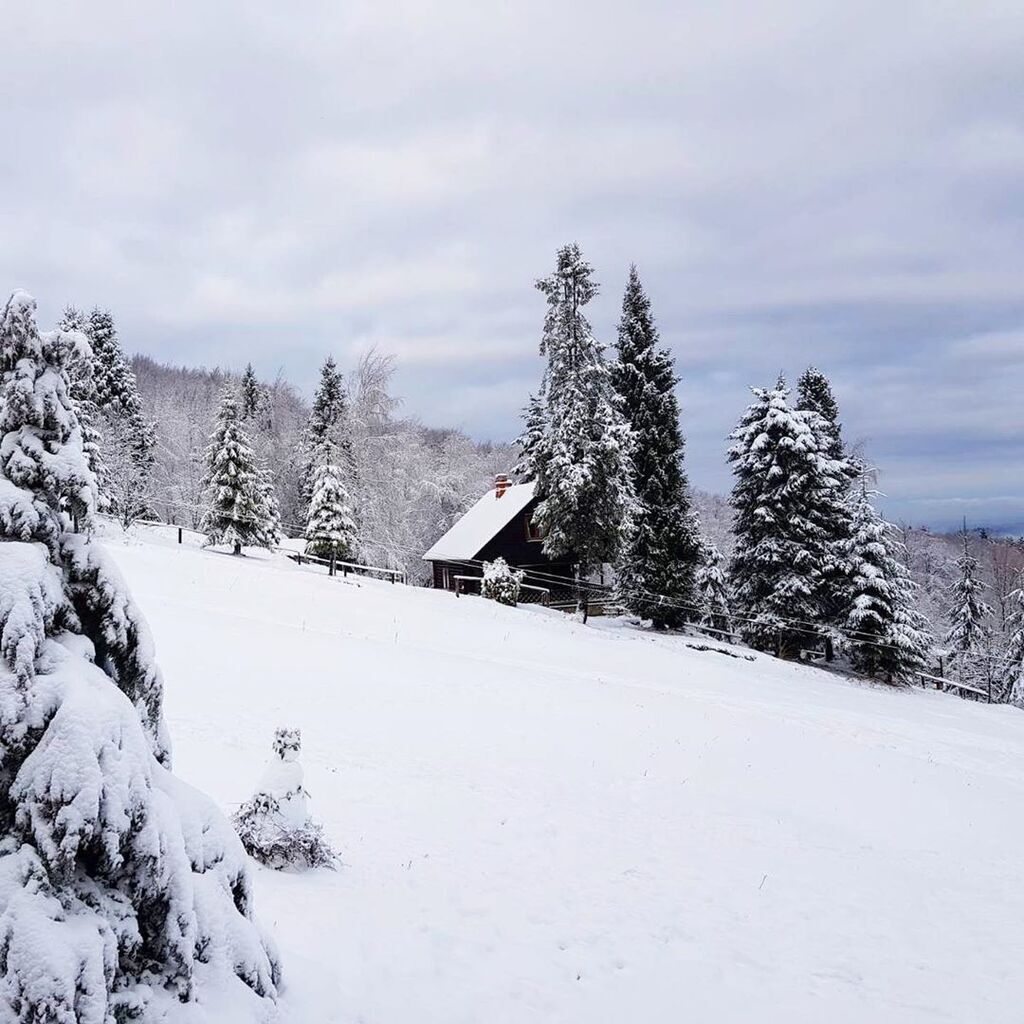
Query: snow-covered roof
[481, 523]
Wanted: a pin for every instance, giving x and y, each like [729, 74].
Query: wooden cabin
[500, 525]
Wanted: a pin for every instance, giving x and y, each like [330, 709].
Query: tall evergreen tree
[713, 590]
[83, 394]
[327, 425]
[968, 612]
[128, 440]
[124, 892]
[331, 532]
[236, 489]
[784, 480]
[1013, 672]
[886, 636]
[659, 559]
[835, 509]
[582, 464]
[250, 394]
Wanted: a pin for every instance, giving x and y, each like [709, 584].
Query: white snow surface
[480, 524]
[545, 821]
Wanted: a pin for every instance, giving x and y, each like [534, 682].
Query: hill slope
[545, 821]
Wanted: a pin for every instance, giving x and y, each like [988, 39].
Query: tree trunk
[582, 604]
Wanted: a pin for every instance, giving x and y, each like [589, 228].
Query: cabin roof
[481, 523]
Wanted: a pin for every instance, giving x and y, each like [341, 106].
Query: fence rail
[942, 683]
[393, 575]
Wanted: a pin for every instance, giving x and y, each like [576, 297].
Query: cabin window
[533, 531]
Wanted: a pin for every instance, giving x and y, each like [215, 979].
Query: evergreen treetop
[814, 393]
[250, 394]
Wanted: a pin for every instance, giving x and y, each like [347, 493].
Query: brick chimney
[501, 485]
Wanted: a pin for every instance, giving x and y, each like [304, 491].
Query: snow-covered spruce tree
[128, 440]
[529, 441]
[250, 395]
[331, 531]
[814, 396]
[885, 636]
[713, 590]
[1013, 672]
[784, 484]
[272, 530]
[582, 465]
[501, 582]
[82, 391]
[327, 426]
[814, 393]
[275, 825]
[235, 488]
[659, 559]
[122, 890]
[968, 613]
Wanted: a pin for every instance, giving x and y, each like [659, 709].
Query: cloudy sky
[837, 183]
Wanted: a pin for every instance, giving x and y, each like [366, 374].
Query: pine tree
[784, 481]
[529, 441]
[1013, 672]
[582, 465]
[331, 531]
[83, 395]
[814, 394]
[128, 440]
[713, 590]
[250, 395]
[968, 612]
[272, 531]
[658, 562]
[238, 515]
[886, 636]
[327, 425]
[119, 880]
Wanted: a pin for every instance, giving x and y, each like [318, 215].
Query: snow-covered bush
[501, 582]
[121, 889]
[275, 825]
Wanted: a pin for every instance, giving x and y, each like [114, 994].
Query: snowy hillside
[541, 821]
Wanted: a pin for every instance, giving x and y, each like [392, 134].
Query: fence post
[179, 534]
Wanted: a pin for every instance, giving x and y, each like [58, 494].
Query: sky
[798, 182]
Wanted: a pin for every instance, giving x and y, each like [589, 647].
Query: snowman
[282, 779]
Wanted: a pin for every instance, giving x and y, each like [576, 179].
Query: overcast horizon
[815, 185]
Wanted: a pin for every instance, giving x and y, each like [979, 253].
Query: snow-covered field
[541, 821]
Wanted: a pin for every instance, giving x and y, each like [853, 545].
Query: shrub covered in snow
[120, 887]
[501, 582]
[275, 825]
